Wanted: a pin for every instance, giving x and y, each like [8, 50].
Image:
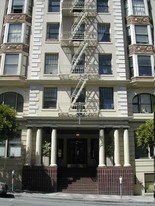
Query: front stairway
[77, 180]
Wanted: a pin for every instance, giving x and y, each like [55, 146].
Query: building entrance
[77, 152]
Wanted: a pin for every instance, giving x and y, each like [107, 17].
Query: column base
[102, 165]
[117, 165]
[53, 165]
[127, 165]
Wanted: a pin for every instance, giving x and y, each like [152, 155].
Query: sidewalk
[86, 197]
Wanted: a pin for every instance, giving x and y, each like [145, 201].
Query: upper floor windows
[103, 32]
[15, 64]
[144, 65]
[18, 6]
[79, 35]
[12, 99]
[141, 32]
[138, 7]
[102, 6]
[80, 65]
[53, 5]
[50, 98]
[11, 64]
[106, 98]
[52, 31]
[51, 63]
[143, 103]
[105, 64]
[141, 65]
[14, 34]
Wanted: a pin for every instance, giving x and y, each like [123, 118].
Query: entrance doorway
[77, 152]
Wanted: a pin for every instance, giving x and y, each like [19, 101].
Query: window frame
[49, 99]
[141, 34]
[18, 103]
[104, 32]
[51, 61]
[9, 65]
[52, 7]
[8, 144]
[103, 6]
[144, 67]
[52, 33]
[103, 99]
[143, 107]
[15, 35]
[17, 8]
[138, 10]
[105, 69]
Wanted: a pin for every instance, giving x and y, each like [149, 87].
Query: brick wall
[38, 178]
[108, 180]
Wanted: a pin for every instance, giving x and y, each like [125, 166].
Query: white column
[116, 148]
[126, 148]
[53, 148]
[28, 146]
[101, 148]
[38, 146]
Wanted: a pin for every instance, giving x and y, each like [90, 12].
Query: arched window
[12, 99]
[143, 103]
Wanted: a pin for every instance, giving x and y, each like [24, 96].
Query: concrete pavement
[85, 197]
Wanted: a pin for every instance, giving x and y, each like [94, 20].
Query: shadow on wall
[39, 178]
[7, 166]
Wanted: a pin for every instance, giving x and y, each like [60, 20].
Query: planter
[46, 161]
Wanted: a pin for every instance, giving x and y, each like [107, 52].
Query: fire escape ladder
[78, 54]
[78, 90]
[77, 23]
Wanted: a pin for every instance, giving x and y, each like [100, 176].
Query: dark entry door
[77, 151]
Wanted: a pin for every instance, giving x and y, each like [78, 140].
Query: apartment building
[80, 74]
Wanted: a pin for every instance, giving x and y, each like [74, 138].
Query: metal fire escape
[84, 13]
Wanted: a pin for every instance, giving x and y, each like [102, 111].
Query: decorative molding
[20, 18]
[138, 20]
[14, 47]
[141, 49]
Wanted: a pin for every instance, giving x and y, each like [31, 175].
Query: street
[30, 201]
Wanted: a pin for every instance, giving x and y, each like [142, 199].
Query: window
[12, 148]
[144, 65]
[129, 35]
[141, 34]
[27, 34]
[106, 98]
[51, 63]
[52, 31]
[131, 66]
[78, 5]
[12, 99]
[11, 64]
[18, 6]
[80, 102]
[24, 65]
[2, 148]
[105, 64]
[138, 7]
[53, 5]
[79, 35]
[79, 68]
[102, 6]
[103, 32]
[14, 34]
[50, 98]
[143, 103]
